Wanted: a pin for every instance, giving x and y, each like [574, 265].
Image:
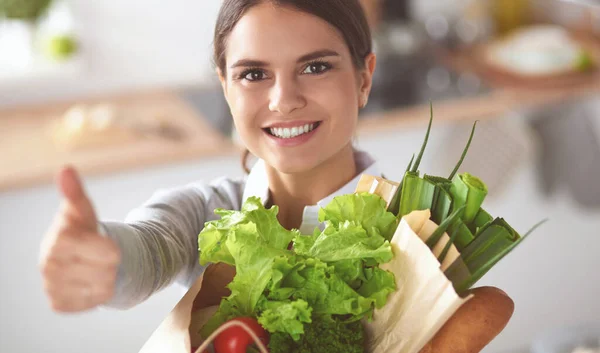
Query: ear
[366, 79]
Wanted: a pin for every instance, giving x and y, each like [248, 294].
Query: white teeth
[291, 132]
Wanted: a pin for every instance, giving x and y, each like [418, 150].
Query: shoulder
[223, 192]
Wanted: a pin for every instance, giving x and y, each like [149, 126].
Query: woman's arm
[159, 240]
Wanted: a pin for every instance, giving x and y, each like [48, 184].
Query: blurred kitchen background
[125, 91]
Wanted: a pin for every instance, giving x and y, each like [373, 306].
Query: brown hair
[347, 16]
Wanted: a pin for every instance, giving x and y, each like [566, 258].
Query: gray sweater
[159, 239]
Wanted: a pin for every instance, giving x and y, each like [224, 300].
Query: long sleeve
[159, 240]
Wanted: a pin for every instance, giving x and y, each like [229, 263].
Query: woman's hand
[475, 324]
[78, 265]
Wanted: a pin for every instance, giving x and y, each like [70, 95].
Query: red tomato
[236, 339]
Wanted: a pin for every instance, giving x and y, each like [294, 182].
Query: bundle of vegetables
[321, 294]
[320, 288]
[454, 203]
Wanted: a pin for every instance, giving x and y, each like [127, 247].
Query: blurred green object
[584, 62]
[27, 10]
[61, 47]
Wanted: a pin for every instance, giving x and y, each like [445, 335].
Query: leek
[464, 154]
[491, 240]
[447, 247]
[442, 199]
[483, 255]
[416, 195]
[464, 236]
[468, 190]
[394, 207]
[435, 237]
[481, 220]
[415, 167]
[455, 203]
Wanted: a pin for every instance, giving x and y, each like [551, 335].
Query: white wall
[26, 322]
[552, 276]
[130, 44]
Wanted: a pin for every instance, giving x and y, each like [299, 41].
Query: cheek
[339, 97]
[245, 106]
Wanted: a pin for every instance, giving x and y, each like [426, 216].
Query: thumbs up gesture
[78, 265]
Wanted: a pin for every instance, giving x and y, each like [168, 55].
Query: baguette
[475, 324]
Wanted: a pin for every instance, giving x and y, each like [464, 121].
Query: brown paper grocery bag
[424, 301]
[178, 333]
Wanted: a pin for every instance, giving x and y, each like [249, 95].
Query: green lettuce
[288, 317]
[368, 210]
[346, 241]
[331, 273]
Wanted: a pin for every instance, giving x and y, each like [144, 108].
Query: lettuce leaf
[285, 316]
[346, 241]
[211, 242]
[327, 274]
[368, 210]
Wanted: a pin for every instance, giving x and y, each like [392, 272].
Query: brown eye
[316, 68]
[253, 75]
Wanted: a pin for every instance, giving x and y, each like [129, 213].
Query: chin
[293, 164]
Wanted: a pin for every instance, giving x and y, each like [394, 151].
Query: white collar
[257, 185]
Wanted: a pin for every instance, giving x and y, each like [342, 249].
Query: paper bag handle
[232, 323]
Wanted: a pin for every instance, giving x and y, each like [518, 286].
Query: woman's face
[292, 88]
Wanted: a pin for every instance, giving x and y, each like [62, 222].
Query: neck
[292, 192]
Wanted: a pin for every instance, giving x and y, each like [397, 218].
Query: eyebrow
[307, 57]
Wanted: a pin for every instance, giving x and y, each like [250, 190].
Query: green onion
[484, 254]
[463, 235]
[442, 200]
[481, 220]
[394, 206]
[415, 167]
[437, 234]
[464, 154]
[416, 195]
[455, 204]
[447, 247]
[410, 163]
[468, 190]
[491, 240]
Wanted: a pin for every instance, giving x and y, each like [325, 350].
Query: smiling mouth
[291, 132]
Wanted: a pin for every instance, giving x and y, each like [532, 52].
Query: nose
[286, 96]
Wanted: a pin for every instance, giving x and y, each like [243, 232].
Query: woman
[295, 74]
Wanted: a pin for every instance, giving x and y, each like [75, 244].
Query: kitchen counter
[161, 128]
[31, 155]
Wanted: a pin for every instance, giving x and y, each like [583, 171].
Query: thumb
[78, 206]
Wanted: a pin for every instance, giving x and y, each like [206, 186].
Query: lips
[293, 134]
[291, 130]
